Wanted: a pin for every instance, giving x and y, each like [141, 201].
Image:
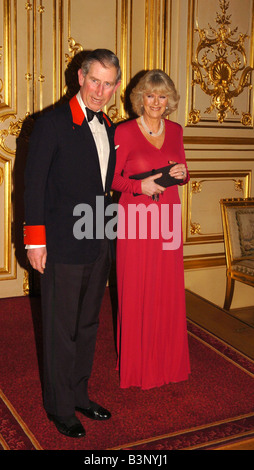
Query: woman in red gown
[151, 335]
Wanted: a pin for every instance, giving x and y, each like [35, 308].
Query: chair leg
[229, 292]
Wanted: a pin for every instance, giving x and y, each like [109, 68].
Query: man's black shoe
[70, 427]
[95, 411]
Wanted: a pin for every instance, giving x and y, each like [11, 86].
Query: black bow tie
[90, 115]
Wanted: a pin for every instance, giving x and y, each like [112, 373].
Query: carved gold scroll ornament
[220, 67]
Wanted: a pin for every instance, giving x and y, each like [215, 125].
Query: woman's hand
[178, 171]
[150, 187]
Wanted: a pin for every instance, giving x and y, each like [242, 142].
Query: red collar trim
[76, 111]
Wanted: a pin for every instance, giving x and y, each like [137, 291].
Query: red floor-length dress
[151, 335]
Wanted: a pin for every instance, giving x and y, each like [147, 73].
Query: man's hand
[37, 258]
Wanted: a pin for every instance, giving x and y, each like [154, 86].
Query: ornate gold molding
[158, 34]
[194, 229]
[220, 67]
[8, 58]
[74, 47]
[26, 283]
[1, 81]
[194, 116]
[211, 141]
[247, 120]
[5, 171]
[196, 188]
[204, 261]
[14, 129]
[28, 6]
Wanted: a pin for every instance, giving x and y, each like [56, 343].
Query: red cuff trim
[34, 235]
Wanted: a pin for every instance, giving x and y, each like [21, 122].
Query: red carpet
[216, 405]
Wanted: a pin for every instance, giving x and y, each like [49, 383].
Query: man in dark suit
[71, 162]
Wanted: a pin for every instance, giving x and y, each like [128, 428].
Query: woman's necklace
[153, 134]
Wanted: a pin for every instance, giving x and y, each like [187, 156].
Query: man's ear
[80, 77]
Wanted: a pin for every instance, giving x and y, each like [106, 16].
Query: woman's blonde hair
[154, 81]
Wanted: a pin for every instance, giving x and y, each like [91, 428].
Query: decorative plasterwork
[13, 130]
[74, 48]
[221, 70]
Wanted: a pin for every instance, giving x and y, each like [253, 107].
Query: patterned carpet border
[204, 437]
[14, 433]
[214, 434]
[228, 352]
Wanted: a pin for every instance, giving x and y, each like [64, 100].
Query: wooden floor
[235, 327]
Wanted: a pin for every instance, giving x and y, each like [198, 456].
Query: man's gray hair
[106, 58]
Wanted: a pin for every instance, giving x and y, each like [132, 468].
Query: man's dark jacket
[63, 171]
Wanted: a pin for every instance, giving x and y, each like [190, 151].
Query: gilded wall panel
[143, 42]
[220, 68]
[204, 190]
[7, 270]
[8, 129]
[8, 42]
[158, 34]
[8, 73]
[214, 70]
[214, 174]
